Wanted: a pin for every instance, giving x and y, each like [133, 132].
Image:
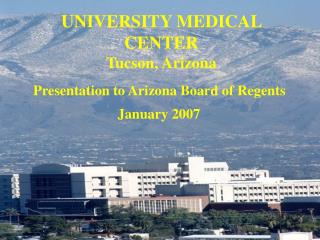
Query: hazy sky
[304, 13]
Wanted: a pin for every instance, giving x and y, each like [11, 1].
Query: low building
[131, 236]
[280, 236]
[93, 207]
[244, 207]
[67, 207]
[295, 236]
[306, 205]
[230, 237]
[160, 204]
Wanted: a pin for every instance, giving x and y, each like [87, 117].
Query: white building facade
[244, 185]
[270, 190]
[196, 175]
[88, 181]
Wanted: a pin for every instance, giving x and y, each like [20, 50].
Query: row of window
[276, 188]
[252, 200]
[155, 206]
[156, 183]
[154, 177]
[213, 169]
[276, 194]
[146, 189]
[247, 175]
[268, 198]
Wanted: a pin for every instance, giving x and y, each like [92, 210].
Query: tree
[162, 231]
[110, 226]
[142, 220]
[44, 225]
[181, 219]
[10, 212]
[7, 232]
[136, 237]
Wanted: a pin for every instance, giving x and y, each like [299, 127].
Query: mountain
[37, 50]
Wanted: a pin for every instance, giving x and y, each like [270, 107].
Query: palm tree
[311, 210]
[109, 226]
[11, 212]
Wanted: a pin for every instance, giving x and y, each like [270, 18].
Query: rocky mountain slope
[36, 49]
